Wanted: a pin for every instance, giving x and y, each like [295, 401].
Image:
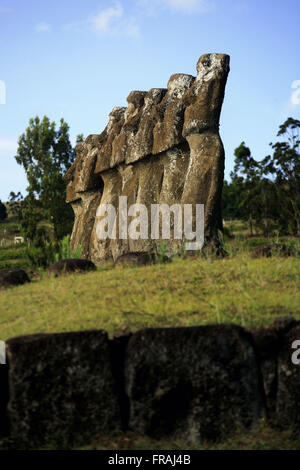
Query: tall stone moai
[164, 148]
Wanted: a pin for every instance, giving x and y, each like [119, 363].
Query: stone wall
[192, 383]
[164, 148]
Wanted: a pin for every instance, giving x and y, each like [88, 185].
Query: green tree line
[45, 152]
[266, 193]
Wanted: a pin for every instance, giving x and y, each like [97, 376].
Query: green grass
[11, 264]
[188, 292]
[236, 289]
[8, 252]
[261, 437]
[10, 224]
[13, 257]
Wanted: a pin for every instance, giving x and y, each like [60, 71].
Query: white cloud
[295, 96]
[103, 22]
[112, 21]
[43, 27]
[8, 148]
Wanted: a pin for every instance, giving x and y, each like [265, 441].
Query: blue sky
[77, 60]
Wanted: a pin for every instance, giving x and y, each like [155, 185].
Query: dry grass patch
[183, 293]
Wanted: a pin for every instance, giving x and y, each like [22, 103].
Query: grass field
[186, 292]
[235, 289]
[13, 256]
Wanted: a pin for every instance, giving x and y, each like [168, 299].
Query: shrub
[47, 252]
[65, 252]
[41, 256]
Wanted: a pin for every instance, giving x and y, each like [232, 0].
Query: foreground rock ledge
[61, 389]
[163, 148]
[71, 265]
[194, 384]
[288, 393]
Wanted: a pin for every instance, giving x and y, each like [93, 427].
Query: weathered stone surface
[61, 389]
[118, 346]
[137, 258]
[268, 342]
[163, 148]
[71, 265]
[13, 277]
[195, 384]
[3, 399]
[288, 394]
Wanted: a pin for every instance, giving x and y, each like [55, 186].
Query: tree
[285, 165]
[3, 211]
[231, 201]
[79, 138]
[15, 204]
[245, 177]
[45, 154]
[268, 201]
[254, 190]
